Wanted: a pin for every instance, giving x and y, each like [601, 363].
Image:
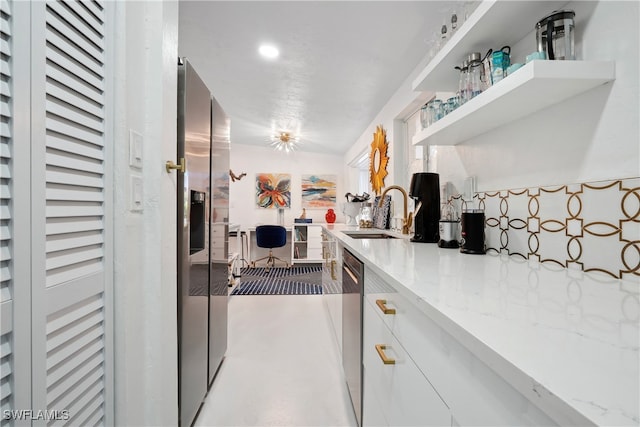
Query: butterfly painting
[273, 190]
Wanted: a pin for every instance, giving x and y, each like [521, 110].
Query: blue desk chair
[270, 236]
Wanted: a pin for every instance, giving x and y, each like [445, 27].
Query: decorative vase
[330, 216]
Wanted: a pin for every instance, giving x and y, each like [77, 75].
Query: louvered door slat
[58, 388]
[71, 114]
[5, 8]
[72, 225]
[81, 64]
[71, 145]
[58, 91]
[81, 394]
[73, 256]
[5, 254]
[62, 355]
[73, 161]
[90, 414]
[5, 110]
[75, 177]
[5, 273]
[91, 13]
[5, 234]
[87, 355]
[72, 314]
[57, 60]
[4, 146]
[72, 82]
[91, 399]
[67, 192]
[79, 326]
[57, 125]
[4, 49]
[5, 130]
[5, 368]
[5, 172]
[77, 16]
[68, 210]
[73, 241]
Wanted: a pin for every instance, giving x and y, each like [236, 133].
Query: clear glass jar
[424, 117]
[366, 216]
[435, 112]
[451, 104]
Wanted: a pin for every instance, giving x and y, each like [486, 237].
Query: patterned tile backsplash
[590, 226]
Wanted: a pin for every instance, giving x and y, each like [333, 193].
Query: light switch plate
[135, 149]
[136, 194]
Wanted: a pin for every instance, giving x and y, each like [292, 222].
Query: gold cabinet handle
[169, 166]
[380, 348]
[381, 305]
[333, 270]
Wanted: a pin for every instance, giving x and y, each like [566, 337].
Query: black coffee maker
[425, 189]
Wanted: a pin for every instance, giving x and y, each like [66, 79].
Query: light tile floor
[282, 367]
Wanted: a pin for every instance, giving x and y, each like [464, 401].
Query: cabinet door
[373, 415]
[405, 395]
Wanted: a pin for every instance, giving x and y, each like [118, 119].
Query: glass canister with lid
[366, 216]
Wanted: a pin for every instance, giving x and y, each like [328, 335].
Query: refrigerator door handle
[180, 167]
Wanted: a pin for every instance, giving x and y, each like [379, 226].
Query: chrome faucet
[407, 219]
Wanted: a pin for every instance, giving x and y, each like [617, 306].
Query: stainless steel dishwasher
[352, 292]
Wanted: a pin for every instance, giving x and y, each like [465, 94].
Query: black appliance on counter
[425, 188]
[473, 232]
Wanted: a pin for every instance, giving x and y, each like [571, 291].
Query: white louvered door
[7, 375]
[15, 226]
[70, 212]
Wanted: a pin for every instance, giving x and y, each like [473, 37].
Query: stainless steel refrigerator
[202, 301]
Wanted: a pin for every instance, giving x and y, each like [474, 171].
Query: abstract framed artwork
[318, 191]
[273, 190]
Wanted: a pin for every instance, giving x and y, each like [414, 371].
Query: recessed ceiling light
[269, 51]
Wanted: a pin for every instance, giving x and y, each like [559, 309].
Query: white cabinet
[473, 392]
[393, 383]
[307, 243]
[537, 85]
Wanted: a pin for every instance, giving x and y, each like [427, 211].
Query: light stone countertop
[567, 340]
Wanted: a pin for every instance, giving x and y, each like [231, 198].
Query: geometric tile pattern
[588, 226]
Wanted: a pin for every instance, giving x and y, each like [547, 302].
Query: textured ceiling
[339, 63]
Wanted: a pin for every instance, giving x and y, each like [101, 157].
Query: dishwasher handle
[353, 277]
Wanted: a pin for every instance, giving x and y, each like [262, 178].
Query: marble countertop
[566, 339]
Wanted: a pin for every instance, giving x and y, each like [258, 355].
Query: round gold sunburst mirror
[378, 160]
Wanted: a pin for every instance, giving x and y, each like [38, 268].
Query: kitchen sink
[370, 235]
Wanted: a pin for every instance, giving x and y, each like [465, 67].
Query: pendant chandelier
[284, 141]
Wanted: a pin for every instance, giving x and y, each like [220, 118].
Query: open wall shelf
[536, 85]
[492, 25]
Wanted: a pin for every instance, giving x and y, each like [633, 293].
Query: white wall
[144, 242]
[254, 159]
[591, 137]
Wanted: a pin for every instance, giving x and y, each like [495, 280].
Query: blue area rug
[305, 280]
